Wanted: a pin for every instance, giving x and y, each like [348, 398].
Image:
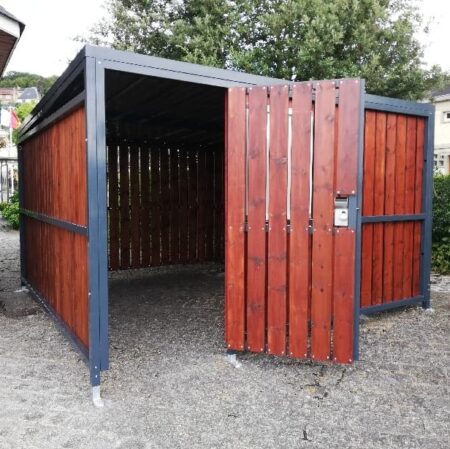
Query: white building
[441, 99]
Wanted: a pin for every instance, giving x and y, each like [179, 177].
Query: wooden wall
[393, 185]
[165, 205]
[54, 184]
[289, 272]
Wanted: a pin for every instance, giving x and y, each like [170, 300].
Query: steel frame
[93, 62]
[425, 110]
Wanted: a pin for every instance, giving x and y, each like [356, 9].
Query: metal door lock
[341, 212]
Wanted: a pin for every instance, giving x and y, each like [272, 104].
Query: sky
[47, 44]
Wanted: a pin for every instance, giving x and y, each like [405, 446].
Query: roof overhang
[10, 31]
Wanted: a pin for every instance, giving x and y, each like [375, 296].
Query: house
[29, 95]
[9, 95]
[441, 99]
[10, 31]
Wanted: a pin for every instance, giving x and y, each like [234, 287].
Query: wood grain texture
[277, 239]
[256, 240]
[323, 206]
[300, 240]
[113, 210]
[235, 217]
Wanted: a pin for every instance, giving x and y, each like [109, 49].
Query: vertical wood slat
[420, 155]
[256, 240]
[124, 208]
[113, 195]
[410, 169]
[135, 211]
[389, 207]
[235, 216]
[299, 244]
[277, 238]
[378, 208]
[145, 205]
[201, 200]
[323, 206]
[174, 208]
[192, 198]
[164, 210]
[155, 207]
[184, 220]
[367, 204]
[348, 127]
[209, 205]
[400, 163]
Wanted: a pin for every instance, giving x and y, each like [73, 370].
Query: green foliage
[10, 211]
[24, 79]
[441, 224]
[290, 39]
[22, 110]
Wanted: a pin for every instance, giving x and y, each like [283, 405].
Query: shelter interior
[165, 150]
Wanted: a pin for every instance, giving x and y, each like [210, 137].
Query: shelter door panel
[291, 218]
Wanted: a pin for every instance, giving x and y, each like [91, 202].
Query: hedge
[440, 257]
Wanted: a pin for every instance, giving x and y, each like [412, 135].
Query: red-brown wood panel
[378, 208]
[124, 208]
[201, 215]
[410, 169]
[56, 259]
[145, 205]
[184, 221]
[164, 210]
[348, 135]
[343, 292]
[209, 205]
[59, 152]
[299, 242]
[367, 205]
[135, 210]
[256, 240]
[175, 208]
[192, 198]
[348, 126]
[235, 217]
[277, 239]
[400, 163]
[113, 197]
[155, 195]
[389, 207]
[323, 206]
[420, 154]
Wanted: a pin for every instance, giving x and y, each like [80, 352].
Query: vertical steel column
[102, 204]
[359, 195]
[93, 220]
[427, 209]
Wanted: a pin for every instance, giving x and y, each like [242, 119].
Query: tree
[25, 79]
[291, 39]
[22, 112]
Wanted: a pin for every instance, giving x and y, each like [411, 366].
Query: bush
[440, 257]
[10, 211]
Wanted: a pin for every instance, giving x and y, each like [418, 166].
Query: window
[446, 116]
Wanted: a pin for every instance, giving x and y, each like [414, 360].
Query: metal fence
[9, 178]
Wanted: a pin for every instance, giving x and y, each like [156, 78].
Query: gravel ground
[170, 385]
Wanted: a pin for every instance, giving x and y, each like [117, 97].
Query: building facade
[441, 100]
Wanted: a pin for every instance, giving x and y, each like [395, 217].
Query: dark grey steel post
[102, 200]
[93, 218]
[427, 208]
